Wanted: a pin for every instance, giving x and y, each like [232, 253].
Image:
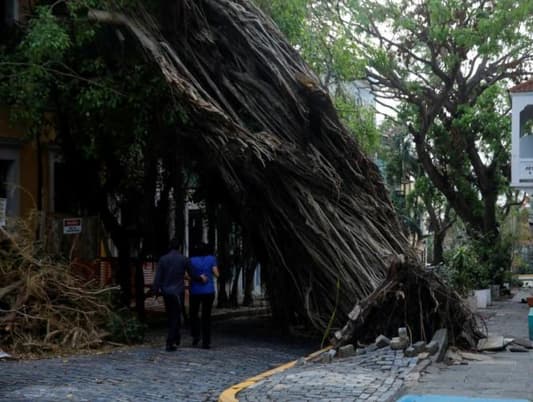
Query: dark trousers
[183, 308]
[206, 301]
[172, 308]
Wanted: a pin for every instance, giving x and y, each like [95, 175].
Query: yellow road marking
[230, 394]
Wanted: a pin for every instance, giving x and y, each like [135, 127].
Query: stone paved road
[241, 349]
[376, 376]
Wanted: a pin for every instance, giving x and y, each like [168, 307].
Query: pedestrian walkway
[386, 375]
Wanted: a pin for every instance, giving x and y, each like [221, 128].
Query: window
[5, 168]
[9, 179]
[11, 11]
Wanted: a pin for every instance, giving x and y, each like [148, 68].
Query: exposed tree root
[413, 298]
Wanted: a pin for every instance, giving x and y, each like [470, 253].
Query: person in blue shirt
[169, 281]
[204, 270]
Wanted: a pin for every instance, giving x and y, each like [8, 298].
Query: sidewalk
[502, 375]
[385, 375]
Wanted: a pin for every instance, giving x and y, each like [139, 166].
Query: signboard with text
[72, 226]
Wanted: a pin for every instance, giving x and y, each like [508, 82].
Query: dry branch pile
[44, 306]
[267, 132]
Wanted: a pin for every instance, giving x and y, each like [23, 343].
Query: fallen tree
[267, 134]
[46, 306]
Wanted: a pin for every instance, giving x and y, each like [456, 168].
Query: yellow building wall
[28, 165]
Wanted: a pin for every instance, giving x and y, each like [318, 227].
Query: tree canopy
[447, 64]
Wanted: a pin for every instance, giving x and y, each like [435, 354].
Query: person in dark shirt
[202, 293]
[169, 282]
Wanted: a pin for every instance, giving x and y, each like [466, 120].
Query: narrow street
[241, 348]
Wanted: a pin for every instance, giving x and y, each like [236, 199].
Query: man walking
[169, 281]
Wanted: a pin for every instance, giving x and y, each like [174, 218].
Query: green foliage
[47, 40]
[360, 120]
[74, 70]
[290, 16]
[124, 327]
[465, 271]
[448, 63]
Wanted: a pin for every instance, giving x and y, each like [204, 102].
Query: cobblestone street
[376, 376]
[241, 348]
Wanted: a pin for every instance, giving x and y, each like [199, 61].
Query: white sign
[72, 226]
[3, 211]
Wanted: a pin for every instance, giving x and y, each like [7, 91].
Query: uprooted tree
[268, 138]
[320, 216]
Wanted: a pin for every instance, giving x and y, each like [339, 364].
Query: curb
[229, 395]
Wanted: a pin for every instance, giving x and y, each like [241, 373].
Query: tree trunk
[179, 196]
[249, 274]
[438, 248]
[224, 261]
[234, 295]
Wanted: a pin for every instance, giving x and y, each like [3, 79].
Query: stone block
[419, 346]
[410, 352]
[507, 341]
[432, 347]
[371, 348]
[301, 361]
[517, 348]
[423, 355]
[526, 343]
[402, 333]
[491, 343]
[441, 337]
[382, 341]
[346, 351]
[398, 343]
[328, 356]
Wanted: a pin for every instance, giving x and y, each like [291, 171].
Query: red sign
[72, 226]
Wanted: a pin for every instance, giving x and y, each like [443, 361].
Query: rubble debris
[5, 356]
[441, 338]
[410, 352]
[517, 348]
[398, 343]
[507, 341]
[346, 351]
[491, 343]
[419, 347]
[382, 341]
[328, 356]
[474, 356]
[526, 343]
[453, 357]
[302, 361]
[423, 355]
[432, 347]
